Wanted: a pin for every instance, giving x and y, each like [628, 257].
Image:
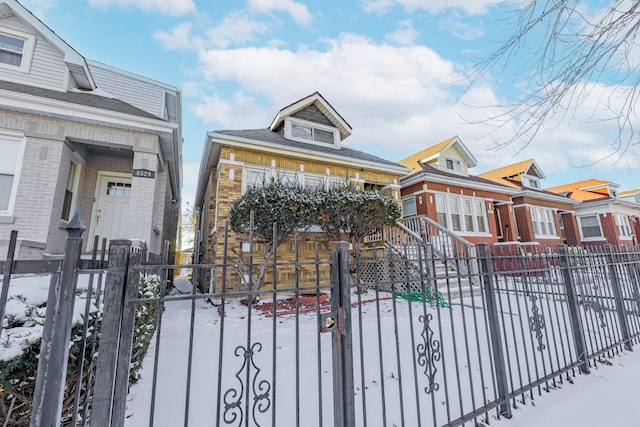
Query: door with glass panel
[111, 211]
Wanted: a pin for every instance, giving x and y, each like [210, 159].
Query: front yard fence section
[400, 332]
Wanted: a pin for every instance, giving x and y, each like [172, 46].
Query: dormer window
[454, 165]
[315, 133]
[531, 181]
[16, 50]
[613, 193]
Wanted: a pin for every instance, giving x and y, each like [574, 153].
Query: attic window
[454, 165]
[304, 131]
[16, 50]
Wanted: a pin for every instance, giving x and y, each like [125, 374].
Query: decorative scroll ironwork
[233, 397]
[429, 353]
[536, 323]
[594, 303]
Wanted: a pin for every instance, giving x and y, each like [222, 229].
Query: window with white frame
[314, 181]
[624, 229]
[543, 222]
[304, 131]
[464, 214]
[254, 178]
[409, 206]
[10, 161]
[454, 213]
[481, 216]
[453, 165]
[590, 226]
[469, 223]
[71, 190]
[258, 177]
[441, 209]
[16, 49]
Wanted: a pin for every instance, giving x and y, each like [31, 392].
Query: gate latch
[331, 321]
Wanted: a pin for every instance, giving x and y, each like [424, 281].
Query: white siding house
[81, 136]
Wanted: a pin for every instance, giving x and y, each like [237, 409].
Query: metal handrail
[445, 244]
[431, 223]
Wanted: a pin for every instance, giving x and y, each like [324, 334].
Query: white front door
[111, 211]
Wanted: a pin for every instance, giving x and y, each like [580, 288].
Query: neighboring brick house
[541, 216]
[441, 188]
[80, 135]
[305, 144]
[603, 216]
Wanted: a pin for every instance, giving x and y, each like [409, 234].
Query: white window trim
[461, 198]
[292, 120]
[591, 239]
[6, 213]
[542, 215]
[528, 179]
[74, 190]
[269, 172]
[27, 52]
[454, 162]
[415, 207]
[619, 217]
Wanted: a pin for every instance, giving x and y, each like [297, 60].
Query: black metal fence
[388, 339]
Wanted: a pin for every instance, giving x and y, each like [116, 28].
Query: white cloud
[178, 38]
[240, 111]
[298, 11]
[40, 7]
[456, 25]
[474, 7]
[165, 7]
[405, 35]
[235, 28]
[398, 99]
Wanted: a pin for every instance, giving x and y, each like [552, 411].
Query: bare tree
[572, 53]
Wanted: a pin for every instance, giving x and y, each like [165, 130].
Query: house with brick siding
[604, 215]
[81, 136]
[304, 144]
[541, 216]
[441, 188]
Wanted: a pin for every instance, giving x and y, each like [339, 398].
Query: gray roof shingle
[79, 98]
[278, 138]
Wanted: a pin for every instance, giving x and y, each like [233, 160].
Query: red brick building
[441, 188]
[603, 216]
[503, 205]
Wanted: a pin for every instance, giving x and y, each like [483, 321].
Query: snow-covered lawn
[302, 358]
[302, 383]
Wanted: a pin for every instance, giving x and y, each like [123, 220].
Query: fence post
[494, 329]
[618, 298]
[125, 342]
[574, 313]
[119, 252]
[342, 341]
[6, 274]
[46, 409]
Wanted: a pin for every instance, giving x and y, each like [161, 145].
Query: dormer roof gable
[76, 63]
[433, 152]
[515, 171]
[315, 100]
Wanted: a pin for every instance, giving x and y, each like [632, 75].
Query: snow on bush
[22, 330]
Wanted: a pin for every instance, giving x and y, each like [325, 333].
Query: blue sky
[394, 69]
